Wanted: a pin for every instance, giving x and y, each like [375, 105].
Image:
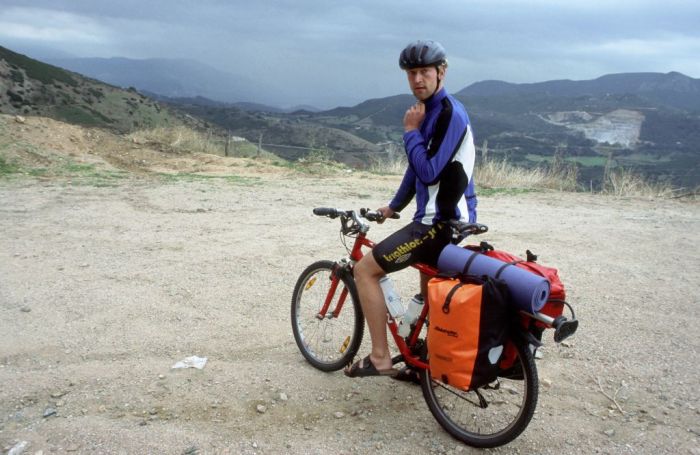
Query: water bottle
[391, 297]
[415, 306]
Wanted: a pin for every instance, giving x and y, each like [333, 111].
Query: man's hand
[386, 213]
[414, 117]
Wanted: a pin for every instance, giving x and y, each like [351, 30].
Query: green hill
[30, 87]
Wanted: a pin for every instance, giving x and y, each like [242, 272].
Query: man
[440, 150]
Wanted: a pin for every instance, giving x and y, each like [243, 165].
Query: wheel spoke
[491, 415]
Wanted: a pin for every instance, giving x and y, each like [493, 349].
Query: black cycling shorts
[416, 242]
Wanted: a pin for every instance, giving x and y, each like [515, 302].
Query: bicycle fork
[340, 268]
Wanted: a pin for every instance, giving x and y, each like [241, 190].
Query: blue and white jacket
[441, 164]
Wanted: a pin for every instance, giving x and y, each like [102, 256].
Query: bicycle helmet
[422, 53]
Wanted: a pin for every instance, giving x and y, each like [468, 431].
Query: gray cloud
[332, 53]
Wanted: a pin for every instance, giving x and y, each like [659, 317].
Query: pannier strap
[448, 298]
[465, 270]
[503, 267]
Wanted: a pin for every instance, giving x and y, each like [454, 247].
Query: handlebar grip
[326, 211]
[376, 216]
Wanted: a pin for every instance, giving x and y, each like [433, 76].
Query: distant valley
[646, 121]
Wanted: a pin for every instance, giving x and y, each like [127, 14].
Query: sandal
[365, 367]
[407, 374]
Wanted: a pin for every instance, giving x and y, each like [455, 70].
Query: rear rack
[563, 327]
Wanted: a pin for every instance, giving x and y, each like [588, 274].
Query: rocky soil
[103, 288]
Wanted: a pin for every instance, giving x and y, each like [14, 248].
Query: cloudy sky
[329, 53]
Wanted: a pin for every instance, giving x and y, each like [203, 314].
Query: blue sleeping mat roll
[528, 290]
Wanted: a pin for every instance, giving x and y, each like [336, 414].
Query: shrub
[176, 139]
[7, 168]
[392, 161]
[625, 182]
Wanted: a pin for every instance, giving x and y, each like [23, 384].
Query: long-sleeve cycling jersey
[441, 163]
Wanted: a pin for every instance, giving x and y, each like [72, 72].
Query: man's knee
[368, 268]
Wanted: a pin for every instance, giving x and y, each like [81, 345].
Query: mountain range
[672, 89]
[648, 121]
[173, 78]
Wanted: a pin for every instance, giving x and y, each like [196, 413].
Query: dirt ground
[104, 288]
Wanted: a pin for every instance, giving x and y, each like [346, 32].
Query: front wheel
[327, 319]
[492, 415]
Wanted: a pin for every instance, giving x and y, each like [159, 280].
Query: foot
[365, 367]
[407, 374]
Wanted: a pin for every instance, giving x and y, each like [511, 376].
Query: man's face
[423, 81]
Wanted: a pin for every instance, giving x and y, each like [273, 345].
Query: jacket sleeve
[406, 191]
[428, 162]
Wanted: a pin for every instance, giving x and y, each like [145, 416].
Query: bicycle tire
[510, 407]
[330, 343]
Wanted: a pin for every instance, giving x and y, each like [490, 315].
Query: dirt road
[104, 289]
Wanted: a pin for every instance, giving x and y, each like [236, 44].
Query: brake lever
[375, 215]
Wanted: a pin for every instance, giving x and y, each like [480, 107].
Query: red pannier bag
[554, 307]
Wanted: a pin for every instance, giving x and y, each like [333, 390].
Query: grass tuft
[623, 182]
[500, 176]
[7, 168]
[182, 139]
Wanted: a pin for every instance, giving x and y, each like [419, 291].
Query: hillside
[290, 136]
[30, 87]
[672, 90]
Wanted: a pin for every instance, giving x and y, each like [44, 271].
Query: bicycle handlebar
[370, 215]
[350, 220]
[327, 211]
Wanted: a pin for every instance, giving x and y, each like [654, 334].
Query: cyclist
[440, 149]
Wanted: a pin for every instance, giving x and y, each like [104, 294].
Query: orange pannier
[469, 323]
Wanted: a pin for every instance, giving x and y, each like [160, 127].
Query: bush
[82, 115]
[181, 139]
[625, 182]
[318, 156]
[177, 139]
[394, 162]
[7, 168]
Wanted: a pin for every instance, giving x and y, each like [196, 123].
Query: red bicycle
[328, 327]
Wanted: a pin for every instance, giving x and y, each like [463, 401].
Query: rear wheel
[329, 342]
[492, 415]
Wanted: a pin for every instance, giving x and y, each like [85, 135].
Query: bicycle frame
[404, 345]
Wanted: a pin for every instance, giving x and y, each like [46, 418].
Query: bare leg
[367, 274]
